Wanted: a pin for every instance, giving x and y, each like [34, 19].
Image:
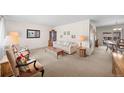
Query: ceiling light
[116, 28]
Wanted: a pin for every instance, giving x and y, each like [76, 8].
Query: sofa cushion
[70, 44]
[67, 44]
[64, 43]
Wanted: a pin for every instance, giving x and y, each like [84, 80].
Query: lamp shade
[14, 36]
[7, 41]
[83, 38]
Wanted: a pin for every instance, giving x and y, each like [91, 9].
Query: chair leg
[42, 72]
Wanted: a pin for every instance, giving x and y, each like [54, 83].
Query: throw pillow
[21, 60]
[65, 43]
[68, 44]
[26, 53]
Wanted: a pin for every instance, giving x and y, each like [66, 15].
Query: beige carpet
[98, 64]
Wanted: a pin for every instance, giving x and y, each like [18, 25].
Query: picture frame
[68, 32]
[31, 33]
[73, 36]
[65, 33]
[61, 36]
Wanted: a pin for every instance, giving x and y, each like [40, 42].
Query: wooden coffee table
[55, 51]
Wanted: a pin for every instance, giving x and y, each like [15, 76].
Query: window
[2, 34]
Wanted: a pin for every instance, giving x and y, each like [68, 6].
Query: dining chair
[120, 45]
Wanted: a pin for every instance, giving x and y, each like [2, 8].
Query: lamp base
[14, 48]
[80, 44]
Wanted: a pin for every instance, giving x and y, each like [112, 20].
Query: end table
[5, 68]
[82, 52]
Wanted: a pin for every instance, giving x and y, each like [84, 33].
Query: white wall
[30, 43]
[92, 37]
[77, 28]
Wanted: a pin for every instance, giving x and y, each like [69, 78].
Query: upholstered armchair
[34, 66]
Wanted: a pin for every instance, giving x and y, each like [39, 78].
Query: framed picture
[64, 33]
[61, 36]
[68, 32]
[73, 36]
[31, 33]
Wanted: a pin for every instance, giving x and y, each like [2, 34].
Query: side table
[82, 52]
[5, 68]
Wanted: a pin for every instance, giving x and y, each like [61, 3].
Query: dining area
[115, 46]
[117, 51]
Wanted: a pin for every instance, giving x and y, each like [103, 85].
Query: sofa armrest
[73, 46]
[72, 49]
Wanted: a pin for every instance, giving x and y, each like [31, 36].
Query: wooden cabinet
[5, 67]
[6, 70]
[96, 43]
[118, 64]
[52, 37]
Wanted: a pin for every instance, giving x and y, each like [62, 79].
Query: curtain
[2, 36]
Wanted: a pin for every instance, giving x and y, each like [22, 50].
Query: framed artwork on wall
[65, 33]
[61, 36]
[31, 33]
[73, 36]
[68, 32]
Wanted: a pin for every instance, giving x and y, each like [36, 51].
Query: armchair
[34, 66]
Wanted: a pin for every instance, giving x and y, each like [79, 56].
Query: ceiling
[55, 20]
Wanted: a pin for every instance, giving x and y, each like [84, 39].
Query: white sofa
[67, 46]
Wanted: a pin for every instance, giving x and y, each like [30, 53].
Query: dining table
[111, 45]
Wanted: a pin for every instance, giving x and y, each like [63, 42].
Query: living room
[59, 43]
[61, 46]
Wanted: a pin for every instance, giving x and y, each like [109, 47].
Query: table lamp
[82, 38]
[14, 37]
[11, 39]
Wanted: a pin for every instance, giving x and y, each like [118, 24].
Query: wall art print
[31, 33]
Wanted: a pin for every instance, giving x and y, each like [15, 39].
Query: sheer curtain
[2, 36]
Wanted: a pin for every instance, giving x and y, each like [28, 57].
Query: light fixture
[117, 28]
[14, 37]
[11, 39]
[82, 38]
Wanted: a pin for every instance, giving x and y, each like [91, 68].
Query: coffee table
[55, 51]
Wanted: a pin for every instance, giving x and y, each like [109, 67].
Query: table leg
[62, 53]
